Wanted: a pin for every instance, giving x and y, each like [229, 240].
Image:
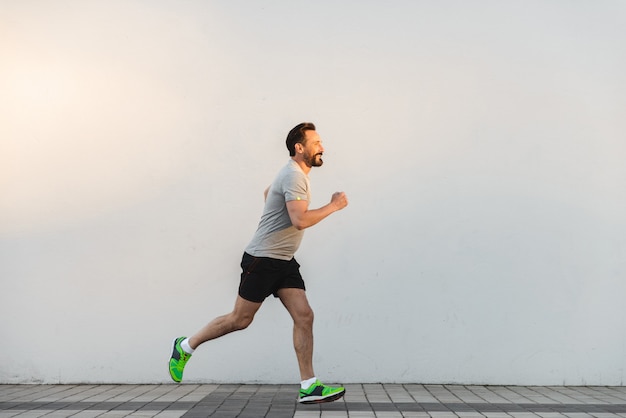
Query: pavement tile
[523, 415]
[442, 414]
[468, 414]
[307, 414]
[22, 413]
[334, 414]
[419, 393]
[411, 414]
[550, 414]
[87, 414]
[170, 414]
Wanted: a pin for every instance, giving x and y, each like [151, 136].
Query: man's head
[297, 136]
[304, 143]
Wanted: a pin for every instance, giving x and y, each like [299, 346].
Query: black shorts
[263, 276]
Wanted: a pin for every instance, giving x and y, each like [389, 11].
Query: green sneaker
[178, 360]
[319, 393]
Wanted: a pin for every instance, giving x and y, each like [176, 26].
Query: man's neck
[302, 165]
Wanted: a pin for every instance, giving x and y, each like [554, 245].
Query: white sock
[185, 346]
[305, 384]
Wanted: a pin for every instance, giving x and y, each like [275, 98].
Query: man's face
[313, 149]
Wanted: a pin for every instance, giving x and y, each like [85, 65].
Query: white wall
[481, 145]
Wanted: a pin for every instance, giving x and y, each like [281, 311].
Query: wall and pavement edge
[481, 146]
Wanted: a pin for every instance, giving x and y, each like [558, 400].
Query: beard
[314, 160]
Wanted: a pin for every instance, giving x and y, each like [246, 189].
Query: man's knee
[241, 322]
[243, 313]
[304, 317]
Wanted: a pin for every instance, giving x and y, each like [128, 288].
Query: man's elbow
[299, 225]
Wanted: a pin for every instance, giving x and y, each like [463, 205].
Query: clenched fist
[339, 200]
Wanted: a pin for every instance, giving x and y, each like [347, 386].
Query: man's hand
[339, 200]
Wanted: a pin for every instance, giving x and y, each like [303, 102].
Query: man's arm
[301, 217]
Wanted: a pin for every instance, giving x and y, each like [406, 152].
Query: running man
[269, 267]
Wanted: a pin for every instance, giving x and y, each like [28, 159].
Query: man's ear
[299, 147]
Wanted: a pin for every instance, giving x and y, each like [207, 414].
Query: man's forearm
[302, 217]
[311, 217]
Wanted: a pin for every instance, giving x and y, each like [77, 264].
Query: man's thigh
[296, 302]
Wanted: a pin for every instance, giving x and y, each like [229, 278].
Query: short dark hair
[296, 135]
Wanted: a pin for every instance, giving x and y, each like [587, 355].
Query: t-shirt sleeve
[295, 187]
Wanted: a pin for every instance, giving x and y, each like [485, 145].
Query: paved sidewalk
[361, 400]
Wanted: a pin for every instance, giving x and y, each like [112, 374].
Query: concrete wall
[481, 145]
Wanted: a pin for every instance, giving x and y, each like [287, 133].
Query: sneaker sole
[319, 399]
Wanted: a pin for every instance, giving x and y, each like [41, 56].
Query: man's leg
[297, 305]
[312, 391]
[241, 316]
